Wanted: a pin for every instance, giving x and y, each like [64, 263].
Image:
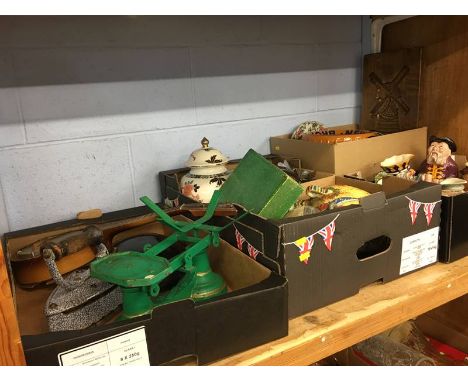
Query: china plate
[453, 184]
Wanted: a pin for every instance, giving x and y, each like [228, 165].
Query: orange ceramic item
[332, 136]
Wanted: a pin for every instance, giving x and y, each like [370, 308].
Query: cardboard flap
[323, 153]
[392, 184]
[374, 201]
[169, 324]
[251, 233]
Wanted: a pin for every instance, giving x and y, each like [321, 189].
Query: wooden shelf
[375, 309]
[11, 350]
[317, 334]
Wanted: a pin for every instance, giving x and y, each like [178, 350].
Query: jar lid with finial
[206, 156]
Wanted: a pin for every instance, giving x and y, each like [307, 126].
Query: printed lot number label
[419, 250]
[124, 349]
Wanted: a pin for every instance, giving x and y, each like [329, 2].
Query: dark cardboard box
[453, 234]
[453, 228]
[253, 312]
[169, 180]
[367, 245]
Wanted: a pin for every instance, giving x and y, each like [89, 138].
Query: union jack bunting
[414, 207]
[252, 251]
[305, 246]
[428, 211]
[306, 243]
[327, 233]
[239, 239]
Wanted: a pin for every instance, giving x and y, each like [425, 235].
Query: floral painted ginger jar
[207, 173]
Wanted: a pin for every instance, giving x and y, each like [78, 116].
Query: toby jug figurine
[439, 164]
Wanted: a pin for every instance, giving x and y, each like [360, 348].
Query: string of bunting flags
[305, 244]
[428, 209]
[240, 240]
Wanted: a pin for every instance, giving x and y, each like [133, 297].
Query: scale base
[197, 286]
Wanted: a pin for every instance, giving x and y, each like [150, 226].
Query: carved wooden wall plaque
[391, 86]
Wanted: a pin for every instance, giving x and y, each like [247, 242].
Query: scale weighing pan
[130, 269]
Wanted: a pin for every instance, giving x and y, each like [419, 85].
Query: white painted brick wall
[11, 126]
[90, 92]
[233, 83]
[56, 179]
[91, 109]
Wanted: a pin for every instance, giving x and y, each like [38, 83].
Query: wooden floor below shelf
[376, 308]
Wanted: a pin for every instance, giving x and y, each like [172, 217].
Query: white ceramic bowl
[396, 163]
[453, 184]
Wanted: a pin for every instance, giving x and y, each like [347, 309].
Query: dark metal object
[62, 245]
[137, 243]
[83, 306]
[79, 300]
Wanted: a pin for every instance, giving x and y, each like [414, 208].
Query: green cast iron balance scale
[139, 273]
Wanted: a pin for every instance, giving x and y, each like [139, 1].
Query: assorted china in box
[347, 157]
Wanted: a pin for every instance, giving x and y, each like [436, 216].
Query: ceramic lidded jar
[207, 173]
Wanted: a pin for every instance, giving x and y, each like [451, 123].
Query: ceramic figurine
[397, 165]
[207, 173]
[439, 164]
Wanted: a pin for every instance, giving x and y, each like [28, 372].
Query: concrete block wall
[92, 108]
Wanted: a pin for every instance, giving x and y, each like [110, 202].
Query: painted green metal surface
[139, 274]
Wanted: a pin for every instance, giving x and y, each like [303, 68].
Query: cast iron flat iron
[79, 300]
[139, 274]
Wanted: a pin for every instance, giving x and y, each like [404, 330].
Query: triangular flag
[414, 207]
[305, 245]
[429, 211]
[239, 239]
[327, 234]
[252, 251]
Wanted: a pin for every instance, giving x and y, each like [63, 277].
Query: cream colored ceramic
[453, 184]
[207, 173]
[206, 156]
[396, 163]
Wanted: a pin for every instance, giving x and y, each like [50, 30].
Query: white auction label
[128, 348]
[419, 250]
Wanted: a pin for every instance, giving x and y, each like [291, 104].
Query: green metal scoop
[139, 274]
